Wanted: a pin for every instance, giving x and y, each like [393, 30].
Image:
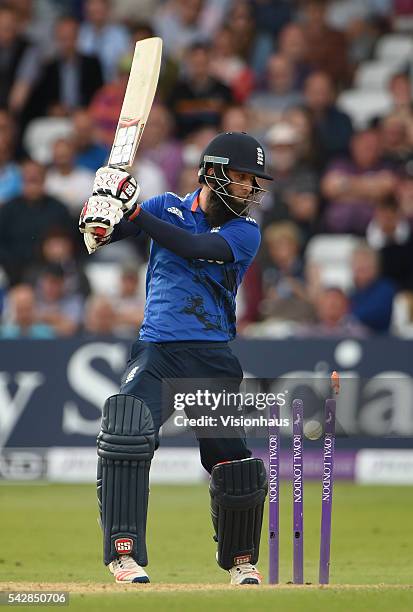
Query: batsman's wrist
[134, 213]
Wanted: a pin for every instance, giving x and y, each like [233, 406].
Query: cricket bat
[137, 103]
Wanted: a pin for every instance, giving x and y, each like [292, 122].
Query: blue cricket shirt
[194, 299]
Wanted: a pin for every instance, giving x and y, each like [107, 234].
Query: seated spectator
[293, 194]
[372, 298]
[21, 319]
[69, 80]
[26, 220]
[333, 317]
[179, 25]
[308, 147]
[100, 316]
[67, 182]
[90, 153]
[280, 94]
[333, 129]
[98, 36]
[241, 21]
[354, 187]
[160, 147]
[106, 105]
[390, 233]
[235, 119]
[10, 174]
[326, 47]
[58, 248]
[129, 304]
[292, 44]
[229, 67]
[405, 192]
[199, 99]
[396, 145]
[19, 62]
[62, 310]
[284, 291]
[400, 88]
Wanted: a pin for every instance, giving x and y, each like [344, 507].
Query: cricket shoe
[245, 574]
[125, 569]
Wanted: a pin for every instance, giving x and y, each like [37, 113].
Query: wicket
[298, 489]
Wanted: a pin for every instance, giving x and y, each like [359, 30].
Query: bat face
[137, 103]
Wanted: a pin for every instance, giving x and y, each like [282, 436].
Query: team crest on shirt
[175, 211]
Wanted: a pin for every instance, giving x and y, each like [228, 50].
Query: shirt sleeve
[244, 237]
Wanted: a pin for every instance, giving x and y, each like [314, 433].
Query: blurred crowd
[336, 258]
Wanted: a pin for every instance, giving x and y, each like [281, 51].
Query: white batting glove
[118, 184]
[99, 216]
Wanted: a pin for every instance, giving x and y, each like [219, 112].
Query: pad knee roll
[238, 490]
[125, 447]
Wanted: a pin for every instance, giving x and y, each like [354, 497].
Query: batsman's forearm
[124, 229]
[181, 242]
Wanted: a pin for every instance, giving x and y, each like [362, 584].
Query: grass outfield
[49, 534]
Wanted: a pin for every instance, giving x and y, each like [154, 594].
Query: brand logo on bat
[124, 546]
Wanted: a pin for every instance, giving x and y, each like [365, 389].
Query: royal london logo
[175, 211]
[260, 156]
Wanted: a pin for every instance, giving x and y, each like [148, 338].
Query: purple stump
[298, 493]
[273, 494]
[327, 480]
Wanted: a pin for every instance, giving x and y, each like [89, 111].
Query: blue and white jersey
[194, 299]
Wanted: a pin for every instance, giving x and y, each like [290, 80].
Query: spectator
[285, 294]
[292, 45]
[294, 192]
[58, 248]
[235, 119]
[405, 192]
[177, 22]
[326, 47]
[301, 119]
[396, 146]
[230, 68]
[100, 316]
[25, 220]
[60, 310]
[21, 320]
[333, 128]
[67, 182]
[240, 20]
[100, 37]
[354, 187]
[10, 175]
[90, 153]
[334, 319]
[372, 298]
[199, 99]
[390, 234]
[19, 62]
[400, 88]
[160, 147]
[107, 103]
[129, 303]
[280, 94]
[68, 81]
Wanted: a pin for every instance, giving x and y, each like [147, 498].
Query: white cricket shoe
[245, 574]
[125, 569]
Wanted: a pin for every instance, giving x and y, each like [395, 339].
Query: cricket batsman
[202, 245]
